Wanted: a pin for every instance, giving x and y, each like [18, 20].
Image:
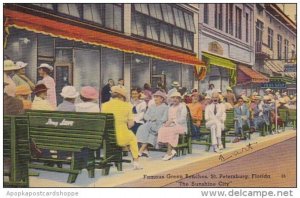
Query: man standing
[215, 116]
[106, 91]
[230, 97]
[20, 77]
[44, 71]
[241, 116]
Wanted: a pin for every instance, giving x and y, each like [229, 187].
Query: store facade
[94, 48]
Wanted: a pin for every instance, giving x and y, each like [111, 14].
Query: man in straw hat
[69, 94]
[20, 77]
[215, 116]
[40, 101]
[44, 71]
[9, 71]
[154, 117]
[124, 120]
[241, 116]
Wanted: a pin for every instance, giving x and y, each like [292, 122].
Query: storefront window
[22, 46]
[167, 13]
[113, 16]
[71, 9]
[187, 41]
[152, 29]
[45, 46]
[140, 71]
[93, 12]
[86, 68]
[177, 39]
[165, 34]
[188, 76]
[170, 69]
[138, 25]
[155, 11]
[112, 62]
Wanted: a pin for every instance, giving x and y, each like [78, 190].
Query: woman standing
[123, 121]
[44, 71]
[175, 125]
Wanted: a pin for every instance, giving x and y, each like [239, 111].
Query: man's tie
[215, 110]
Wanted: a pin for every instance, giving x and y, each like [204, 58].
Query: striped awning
[247, 75]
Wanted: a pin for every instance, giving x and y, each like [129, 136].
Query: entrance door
[63, 77]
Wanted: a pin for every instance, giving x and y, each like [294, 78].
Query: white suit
[215, 122]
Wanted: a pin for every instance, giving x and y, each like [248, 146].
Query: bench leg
[74, 166]
[91, 164]
[119, 166]
[105, 171]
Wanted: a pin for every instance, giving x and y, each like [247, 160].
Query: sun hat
[175, 84]
[284, 93]
[175, 94]
[119, 90]
[89, 92]
[69, 92]
[161, 94]
[45, 65]
[245, 98]
[229, 89]
[23, 90]
[282, 100]
[268, 89]
[254, 93]
[9, 65]
[40, 88]
[21, 64]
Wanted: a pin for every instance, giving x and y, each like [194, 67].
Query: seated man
[268, 110]
[215, 116]
[241, 116]
[196, 113]
[257, 112]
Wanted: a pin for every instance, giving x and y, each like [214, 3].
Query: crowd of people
[147, 117]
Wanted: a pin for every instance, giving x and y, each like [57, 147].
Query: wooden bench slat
[78, 137]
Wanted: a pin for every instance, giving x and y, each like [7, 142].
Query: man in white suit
[215, 116]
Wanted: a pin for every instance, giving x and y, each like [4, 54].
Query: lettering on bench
[64, 122]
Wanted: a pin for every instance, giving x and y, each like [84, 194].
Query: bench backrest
[16, 147]
[67, 131]
[292, 114]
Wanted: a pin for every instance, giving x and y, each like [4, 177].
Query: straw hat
[281, 100]
[69, 92]
[268, 89]
[161, 94]
[21, 64]
[40, 88]
[254, 93]
[245, 98]
[175, 84]
[229, 89]
[9, 65]
[45, 65]
[119, 90]
[89, 92]
[175, 94]
[23, 90]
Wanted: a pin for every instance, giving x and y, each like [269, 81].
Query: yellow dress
[122, 112]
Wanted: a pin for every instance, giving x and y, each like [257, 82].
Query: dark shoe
[59, 165]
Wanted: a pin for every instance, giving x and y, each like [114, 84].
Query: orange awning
[55, 28]
[248, 75]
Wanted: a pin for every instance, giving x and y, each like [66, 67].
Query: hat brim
[11, 68]
[41, 90]
[70, 96]
[50, 68]
[164, 97]
[21, 67]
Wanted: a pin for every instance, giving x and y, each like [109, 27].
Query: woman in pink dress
[175, 125]
[44, 70]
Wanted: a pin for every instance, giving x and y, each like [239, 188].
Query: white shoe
[217, 150]
[220, 146]
[136, 166]
[173, 152]
[167, 157]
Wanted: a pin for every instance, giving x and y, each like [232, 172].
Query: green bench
[74, 133]
[16, 151]
[292, 117]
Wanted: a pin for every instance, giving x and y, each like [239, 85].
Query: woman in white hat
[175, 125]
[44, 71]
[9, 71]
[20, 78]
[69, 94]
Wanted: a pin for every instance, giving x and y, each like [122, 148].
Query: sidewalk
[165, 172]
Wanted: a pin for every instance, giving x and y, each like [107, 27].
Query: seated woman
[196, 113]
[89, 96]
[138, 110]
[155, 116]
[40, 101]
[123, 121]
[175, 125]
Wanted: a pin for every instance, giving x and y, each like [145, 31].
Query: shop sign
[273, 85]
[290, 67]
[215, 47]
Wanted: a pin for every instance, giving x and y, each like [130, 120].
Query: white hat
[21, 64]
[69, 92]
[284, 93]
[9, 65]
[175, 84]
[217, 90]
[45, 65]
[175, 94]
[229, 88]
[268, 89]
